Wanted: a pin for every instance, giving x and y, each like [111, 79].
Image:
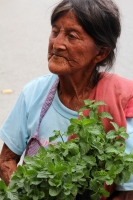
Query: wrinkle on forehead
[68, 16]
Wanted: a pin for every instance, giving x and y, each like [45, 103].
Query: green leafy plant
[83, 163]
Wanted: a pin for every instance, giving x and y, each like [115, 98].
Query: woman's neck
[73, 91]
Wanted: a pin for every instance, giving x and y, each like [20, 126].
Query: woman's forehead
[69, 17]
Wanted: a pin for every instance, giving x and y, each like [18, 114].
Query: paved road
[24, 32]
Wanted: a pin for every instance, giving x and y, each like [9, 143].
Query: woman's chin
[58, 68]
[53, 70]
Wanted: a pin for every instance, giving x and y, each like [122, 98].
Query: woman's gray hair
[99, 18]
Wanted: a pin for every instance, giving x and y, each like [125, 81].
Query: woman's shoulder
[48, 78]
[115, 77]
[38, 88]
[40, 83]
[116, 80]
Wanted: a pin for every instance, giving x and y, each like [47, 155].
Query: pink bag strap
[34, 143]
[46, 104]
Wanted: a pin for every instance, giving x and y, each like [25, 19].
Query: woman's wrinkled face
[70, 48]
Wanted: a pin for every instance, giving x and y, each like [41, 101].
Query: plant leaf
[105, 115]
[54, 191]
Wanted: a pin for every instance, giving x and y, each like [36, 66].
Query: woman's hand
[122, 195]
[8, 163]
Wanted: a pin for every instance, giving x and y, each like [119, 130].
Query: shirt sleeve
[14, 131]
[128, 186]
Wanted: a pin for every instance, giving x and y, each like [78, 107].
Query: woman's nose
[59, 42]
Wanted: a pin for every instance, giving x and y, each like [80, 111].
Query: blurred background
[24, 33]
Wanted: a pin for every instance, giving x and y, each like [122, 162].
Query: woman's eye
[72, 36]
[54, 32]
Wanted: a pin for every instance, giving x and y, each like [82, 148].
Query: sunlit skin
[73, 55]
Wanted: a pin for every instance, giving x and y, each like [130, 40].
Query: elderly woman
[83, 39]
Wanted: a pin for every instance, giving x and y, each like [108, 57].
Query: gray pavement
[24, 32]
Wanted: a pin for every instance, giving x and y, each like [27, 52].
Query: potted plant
[85, 162]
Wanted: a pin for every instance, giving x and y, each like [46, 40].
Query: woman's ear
[102, 54]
